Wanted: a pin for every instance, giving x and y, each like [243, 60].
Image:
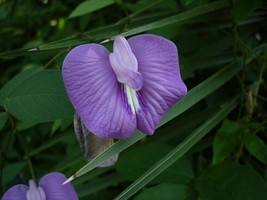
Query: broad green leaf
[178, 151]
[135, 162]
[166, 191]
[231, 181]
[15, 82]
[90, 6]
[3, 119]
[256, 147]
[41, 97]
[10, 171]
[226, 140]
[242, 9]
[195, 95]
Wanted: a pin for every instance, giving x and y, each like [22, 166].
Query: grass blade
[179, 151]
[179, 17]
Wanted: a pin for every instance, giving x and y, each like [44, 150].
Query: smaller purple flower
[50, 188]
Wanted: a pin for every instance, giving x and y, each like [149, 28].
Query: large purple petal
[53, 188]
[17, 192]
[162, 84]
[96, 94]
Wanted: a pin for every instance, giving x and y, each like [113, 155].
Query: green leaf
[231, 181]
[3, 119]
[242, 9]
[15, 82]
[226, 140]
[41, 97]
[90, 6]
[256, 147]
[10, 171]
[178, 151]
[134, 163]
[195, 95]
[167, 192]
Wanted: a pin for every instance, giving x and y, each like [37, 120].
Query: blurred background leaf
[231, 181]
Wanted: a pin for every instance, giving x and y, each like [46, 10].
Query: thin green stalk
[3, 158]
[27, 156]
[56, 56]
[20, 138]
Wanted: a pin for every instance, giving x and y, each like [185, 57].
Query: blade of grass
[195, 95]
[179, 151]
[202, 90]
[200, 10]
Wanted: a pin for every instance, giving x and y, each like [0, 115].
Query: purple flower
[50, 188]
[132, 87]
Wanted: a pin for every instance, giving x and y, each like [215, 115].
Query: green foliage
[210, 145]
[242, 9]
[90, 6]
[256, 147]
[134, 163]
[37, 96]
[3, 119]
[12, 170]
[10, 86]
[226, 141]
[231, 181]
[167, 192]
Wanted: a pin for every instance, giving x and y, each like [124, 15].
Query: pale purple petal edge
[53, 188]
[17, 192]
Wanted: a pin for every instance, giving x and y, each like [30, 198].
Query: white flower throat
[125, 66]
